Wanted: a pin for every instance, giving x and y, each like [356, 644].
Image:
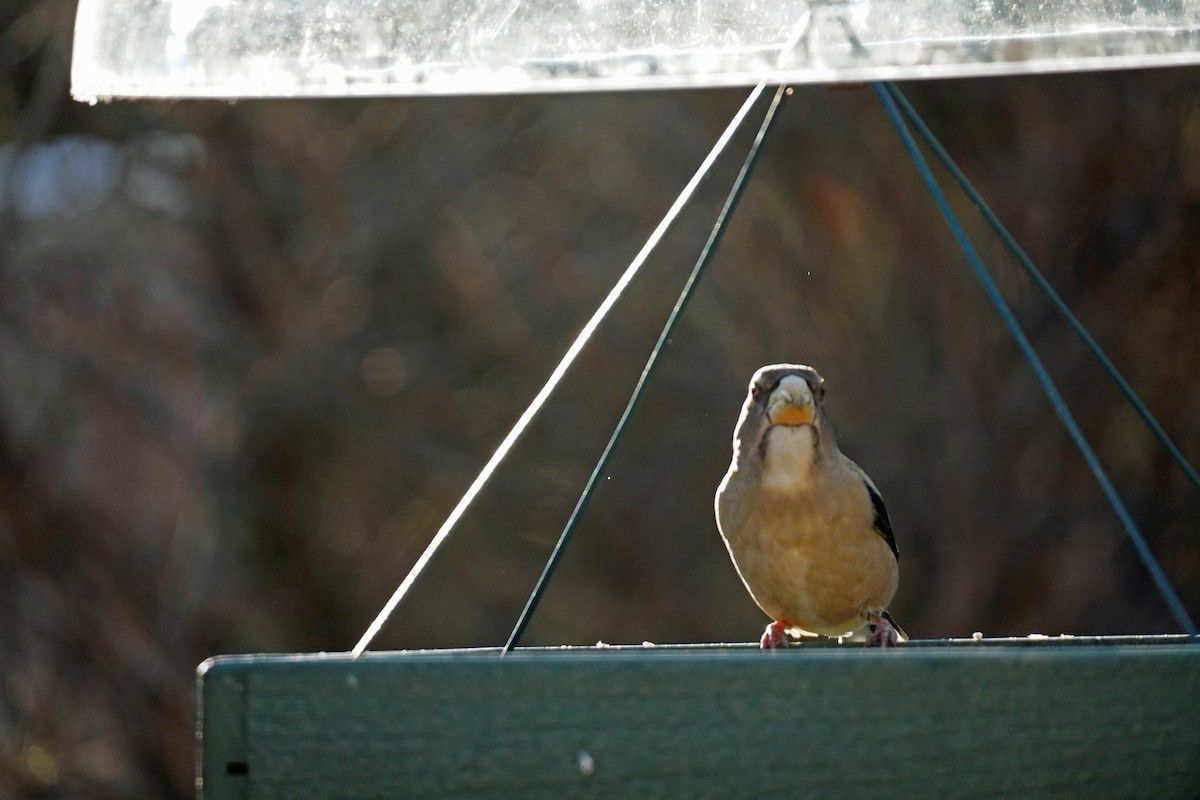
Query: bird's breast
[811, 556]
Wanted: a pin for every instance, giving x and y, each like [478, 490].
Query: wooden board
[1053, 718]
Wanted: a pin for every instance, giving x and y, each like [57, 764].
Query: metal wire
[1056, 400]
[618, 433]
[556, 376]
[934, 145]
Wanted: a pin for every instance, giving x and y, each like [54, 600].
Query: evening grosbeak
[805, 526]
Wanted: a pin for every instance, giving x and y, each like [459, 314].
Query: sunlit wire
[557, 375]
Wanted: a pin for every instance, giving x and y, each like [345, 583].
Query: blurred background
[251, 355]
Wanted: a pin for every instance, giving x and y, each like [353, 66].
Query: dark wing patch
[882, 523]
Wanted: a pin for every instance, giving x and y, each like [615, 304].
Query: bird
[806, 528]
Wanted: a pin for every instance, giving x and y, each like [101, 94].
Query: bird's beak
[790, 404]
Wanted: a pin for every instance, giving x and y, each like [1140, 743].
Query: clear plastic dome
[337, 48]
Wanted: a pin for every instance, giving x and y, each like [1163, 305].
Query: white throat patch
[791, 450]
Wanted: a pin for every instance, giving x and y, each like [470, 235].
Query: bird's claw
[774, 637]
[883, 632]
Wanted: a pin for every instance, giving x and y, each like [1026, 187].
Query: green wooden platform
[997, 718]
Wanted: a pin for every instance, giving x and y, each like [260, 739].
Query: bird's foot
[775, 636]
[883, 632]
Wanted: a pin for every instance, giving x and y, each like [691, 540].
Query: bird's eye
[755, 390]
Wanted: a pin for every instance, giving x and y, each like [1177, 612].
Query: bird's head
[793, 398]
[784, 399]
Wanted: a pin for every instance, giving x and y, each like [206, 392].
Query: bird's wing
[882, 524]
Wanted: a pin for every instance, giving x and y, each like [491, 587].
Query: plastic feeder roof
[340, 48]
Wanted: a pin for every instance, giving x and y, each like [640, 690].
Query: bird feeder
[1110, 716]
